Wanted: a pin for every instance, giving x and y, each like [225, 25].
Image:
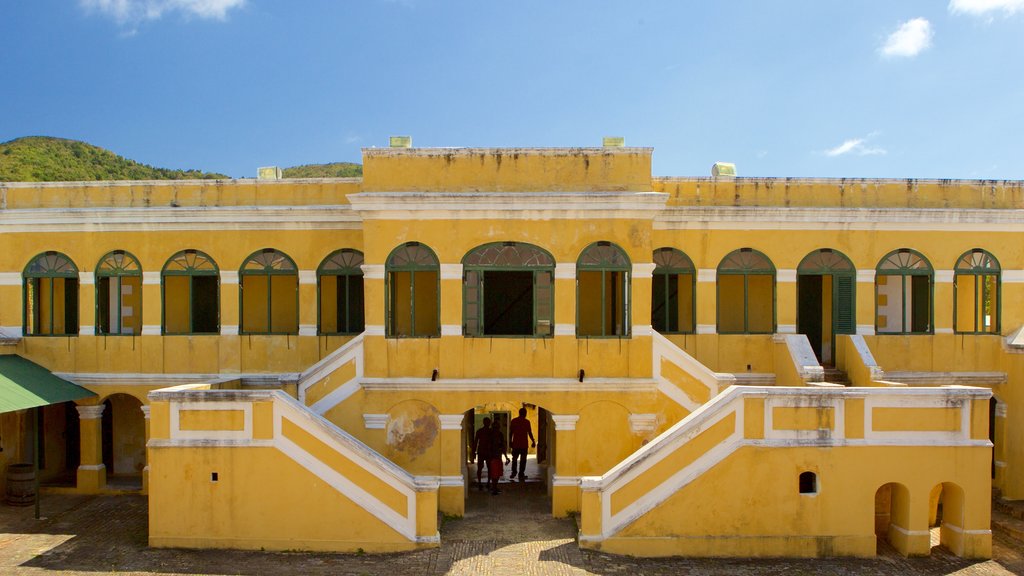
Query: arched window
[507, 290]
[746, 293]
[903, 293]
[673, 294]
[269, 285]
[191, 294]
[826, 294]
[118, 294]
[976, 293]
[602, 291]
[50, 293]
[413, 292]
[340, 287]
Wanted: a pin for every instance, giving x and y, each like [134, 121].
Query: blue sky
[924, 89]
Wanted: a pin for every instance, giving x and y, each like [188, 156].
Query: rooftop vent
[613, 142]
[400, 142]
[268, 173]
[723, 170]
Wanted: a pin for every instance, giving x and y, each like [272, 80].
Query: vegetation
[332, 170]
[45, 159]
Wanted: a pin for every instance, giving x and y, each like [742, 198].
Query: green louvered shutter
[845, 317]
[472, 297]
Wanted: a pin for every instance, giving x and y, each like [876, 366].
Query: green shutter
[471, 303]
[845, 317]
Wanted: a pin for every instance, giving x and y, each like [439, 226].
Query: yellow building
[714, 366]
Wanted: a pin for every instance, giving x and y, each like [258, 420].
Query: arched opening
[826, 297]
[602, 291]
[508, 290]
[123, 434]
[339, 281]
[413, 289]
[746, 293]
[50, 296]
[903, 293]
[191, 294]
[497, 424]
[673, 292]
[976, 293]
[268, 283]
[118, 294]
[892, 516]
[946, 516]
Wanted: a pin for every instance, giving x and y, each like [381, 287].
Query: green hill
[332, 170]
[46, 159]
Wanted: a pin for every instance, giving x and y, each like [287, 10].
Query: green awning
[25, 384]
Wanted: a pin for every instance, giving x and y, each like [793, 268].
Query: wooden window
[903, 293]
[413, 298]
[673, 292]
[508, 290]
[746, 293]
[50, 296]
[602, 291]
[977, 287]
[190, 286]
[118, 294]
[340, 289]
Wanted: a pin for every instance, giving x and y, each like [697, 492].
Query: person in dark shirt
[482, 451]
[520, 431]
[494, 466]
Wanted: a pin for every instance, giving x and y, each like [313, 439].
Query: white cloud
[985, 7]
[910, 39]
[858, 146]
[134, 11]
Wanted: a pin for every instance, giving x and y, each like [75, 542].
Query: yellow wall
[504, 169]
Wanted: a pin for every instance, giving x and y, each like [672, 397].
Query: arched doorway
[946, 513]
[532, 468]
[124, 441]
[892, 515]
[826, 295]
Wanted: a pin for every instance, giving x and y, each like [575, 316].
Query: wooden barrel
[21, 485]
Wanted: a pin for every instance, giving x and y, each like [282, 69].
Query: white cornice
[506, 385]
[334, 217]
[780, 218]
[507, 205]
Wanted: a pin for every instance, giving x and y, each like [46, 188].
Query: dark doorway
[72, 438]
[809, 311]
[920, 313]
[107, 433]
[508, 303]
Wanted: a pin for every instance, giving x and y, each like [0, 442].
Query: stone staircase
[836, 376]
[1008, 516]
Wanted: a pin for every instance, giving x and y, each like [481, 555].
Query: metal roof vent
[613, 142]
[400, 142]
[723, 170]
[268, 173]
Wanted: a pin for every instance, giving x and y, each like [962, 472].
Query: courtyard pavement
[508, 534]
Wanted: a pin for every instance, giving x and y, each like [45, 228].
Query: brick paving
[508, 534]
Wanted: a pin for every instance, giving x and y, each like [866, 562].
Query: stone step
[1014, 508]
[834, 376]
[1008, 525]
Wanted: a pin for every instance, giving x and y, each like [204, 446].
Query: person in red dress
[494, 466]
[520, 431]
